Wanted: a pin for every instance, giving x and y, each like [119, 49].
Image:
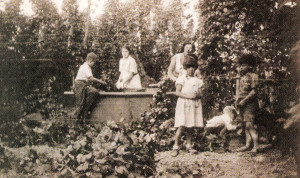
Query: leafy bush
[236, 27]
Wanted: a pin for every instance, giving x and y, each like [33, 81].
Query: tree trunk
[87, 24]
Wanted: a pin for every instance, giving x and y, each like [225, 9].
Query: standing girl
[129, 77]
[188, 113]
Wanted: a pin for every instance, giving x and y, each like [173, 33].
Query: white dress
[189, 112]
[125, 67]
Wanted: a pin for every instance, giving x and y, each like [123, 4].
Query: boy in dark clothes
[247, 100]
[85, 93]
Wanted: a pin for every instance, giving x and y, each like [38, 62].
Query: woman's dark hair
[127, 47]
[188, 43]
[190, 61]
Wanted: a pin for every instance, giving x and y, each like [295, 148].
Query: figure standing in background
[176, 66]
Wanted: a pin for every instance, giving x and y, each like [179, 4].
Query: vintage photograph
[150, 88]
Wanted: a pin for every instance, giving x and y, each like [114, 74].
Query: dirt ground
[213, 164]
[203, 164]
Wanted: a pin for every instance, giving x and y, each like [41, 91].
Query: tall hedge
[231, 28]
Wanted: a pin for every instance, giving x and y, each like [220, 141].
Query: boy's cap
[190, 61]
[248, 59]
[91, 57]
[228, 109]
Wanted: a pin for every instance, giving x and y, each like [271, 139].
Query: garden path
[214, 164]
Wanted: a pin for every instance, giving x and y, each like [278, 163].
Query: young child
[247, 100]
[223, 122]
[129, 77]
[188, 113]
[221, 125]
[85, 93]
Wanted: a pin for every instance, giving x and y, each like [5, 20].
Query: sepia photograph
[150, 88]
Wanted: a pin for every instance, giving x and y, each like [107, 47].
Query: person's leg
[253, 134]
[178, 135]
[208, 130]
[189, 135]
[250, 132]
[188, 138]
[248, 141]
[223, 131]
[92, 96]
[80, 96]
[177, 139]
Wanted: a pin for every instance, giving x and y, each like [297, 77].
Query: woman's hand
[119, 85]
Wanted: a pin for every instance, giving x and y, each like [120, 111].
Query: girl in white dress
[129, 77]
[188, 114]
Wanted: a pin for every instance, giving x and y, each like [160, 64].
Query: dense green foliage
[97, 149]
[155, 30]
[232, 28]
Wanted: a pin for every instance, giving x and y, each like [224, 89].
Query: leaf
[79, 158]
[77, 146]
[89, 156]
[96, 168]
[121, 170]
[83, 167]
[101, 161]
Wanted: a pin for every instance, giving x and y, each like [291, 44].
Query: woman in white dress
[129, 77]
[176, 66]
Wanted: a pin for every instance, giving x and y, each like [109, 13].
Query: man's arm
[96, 80]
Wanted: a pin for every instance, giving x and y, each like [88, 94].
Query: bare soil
[214, 164]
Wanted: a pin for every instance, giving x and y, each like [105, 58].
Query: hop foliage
[233, 28]
[158, 123]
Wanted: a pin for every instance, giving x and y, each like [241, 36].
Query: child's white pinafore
[189, 112]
